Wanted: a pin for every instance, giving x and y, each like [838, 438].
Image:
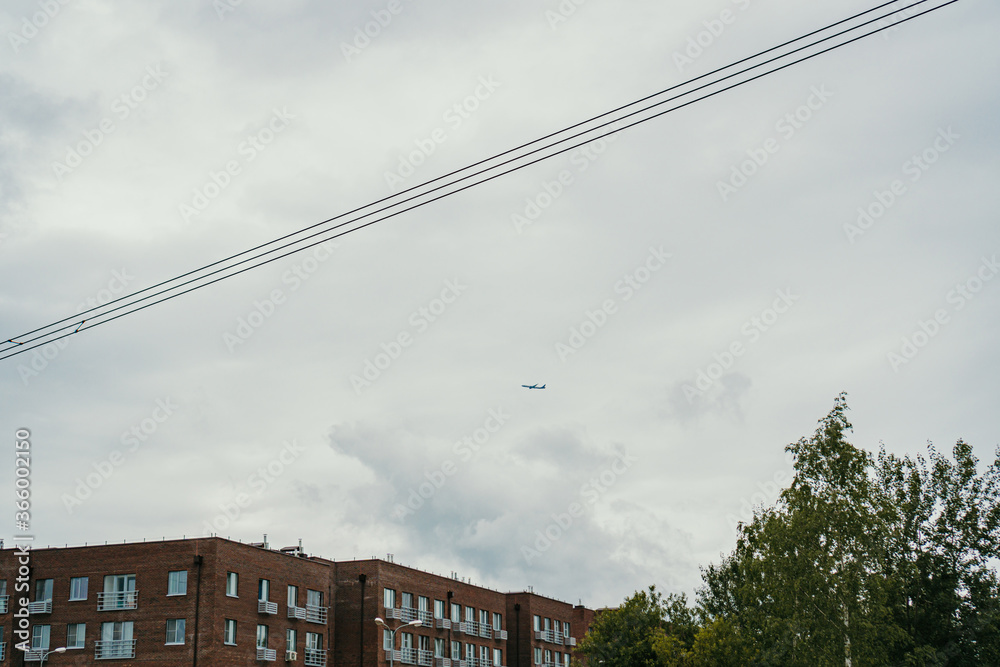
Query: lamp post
[61, 649]
[392, 634]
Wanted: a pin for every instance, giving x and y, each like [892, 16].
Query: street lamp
[61, 649]
[392, 634]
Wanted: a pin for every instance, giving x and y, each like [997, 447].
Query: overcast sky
[689, 312]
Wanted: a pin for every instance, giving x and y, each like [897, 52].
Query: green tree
[863, 560]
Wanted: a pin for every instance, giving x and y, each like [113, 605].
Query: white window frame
[178, 628]
[74, 585]
[263, 634]
[439, 608]
[264, 590]
[314, 641]
[291, 639]
[79, 636]
[177, 582]
[41, 636]
[43, 590]
[229, 632]
[293, 595]
[232, 584]
[389, 598]
[497, 621]
[497, 657]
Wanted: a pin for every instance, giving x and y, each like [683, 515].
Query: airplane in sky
[533, 386]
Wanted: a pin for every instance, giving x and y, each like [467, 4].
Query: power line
[99, 315]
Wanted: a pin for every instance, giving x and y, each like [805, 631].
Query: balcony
[34, 654]
[297, 613]
[550, 636]
[485, 631]
[265, 607]
[407, 656]
[405, 614]
[267, 654]
[315, 657]
[425, 658]
[3, 605]
[40, 607]
[442, 623]
[115, 648]
[316, 614]
[445, 662]
[426, 617]
[500, 634]
[116, 601]
[3, 650]
[570, 641]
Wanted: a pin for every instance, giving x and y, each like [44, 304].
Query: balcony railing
[114, 601]
[3, 650]
[265, 607]
[485, 631]
[114, 648]
[316, 614]
[40, 607]
[267, 654]
[34, 654]
[426, 617]
[315, 657]
[407, 656]
[570, 641]
[442, 623]
[500, 634]
[3, 605]
[297, 612]
[425, 657]
[405, 614]
[445, 662]
[550, 636]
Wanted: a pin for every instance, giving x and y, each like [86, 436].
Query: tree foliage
[863, 560]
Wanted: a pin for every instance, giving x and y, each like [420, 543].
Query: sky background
[181, 420]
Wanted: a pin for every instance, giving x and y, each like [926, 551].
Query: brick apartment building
[218, 603]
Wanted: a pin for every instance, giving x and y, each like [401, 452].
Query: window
[424, 603]
[484, 655]
[456, 612]
[314, 641]
[547, 625]
[406, 641]
[75, 633]
[3, 587]
[456, 650]
[438, 647]
[175, 630]
[438, 608]
[40, 636]
[470, 652]
[291, 639]
[484, 617]
[548, 657]
[425, 643]
[497, 621]
[116, 640]
[77, 588]
[43, 590]
[229, 631]
[407, 601]
[177, 582]
[314, 598]
[470, 614]
[386, 640]
[293, 596]
[119, 591]
[556, 628]
[537, 623]
[566, 632]
[497, 657]
[264, 590]
[388, 598]
[232, 584]
[261, 636]
[538, 654]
